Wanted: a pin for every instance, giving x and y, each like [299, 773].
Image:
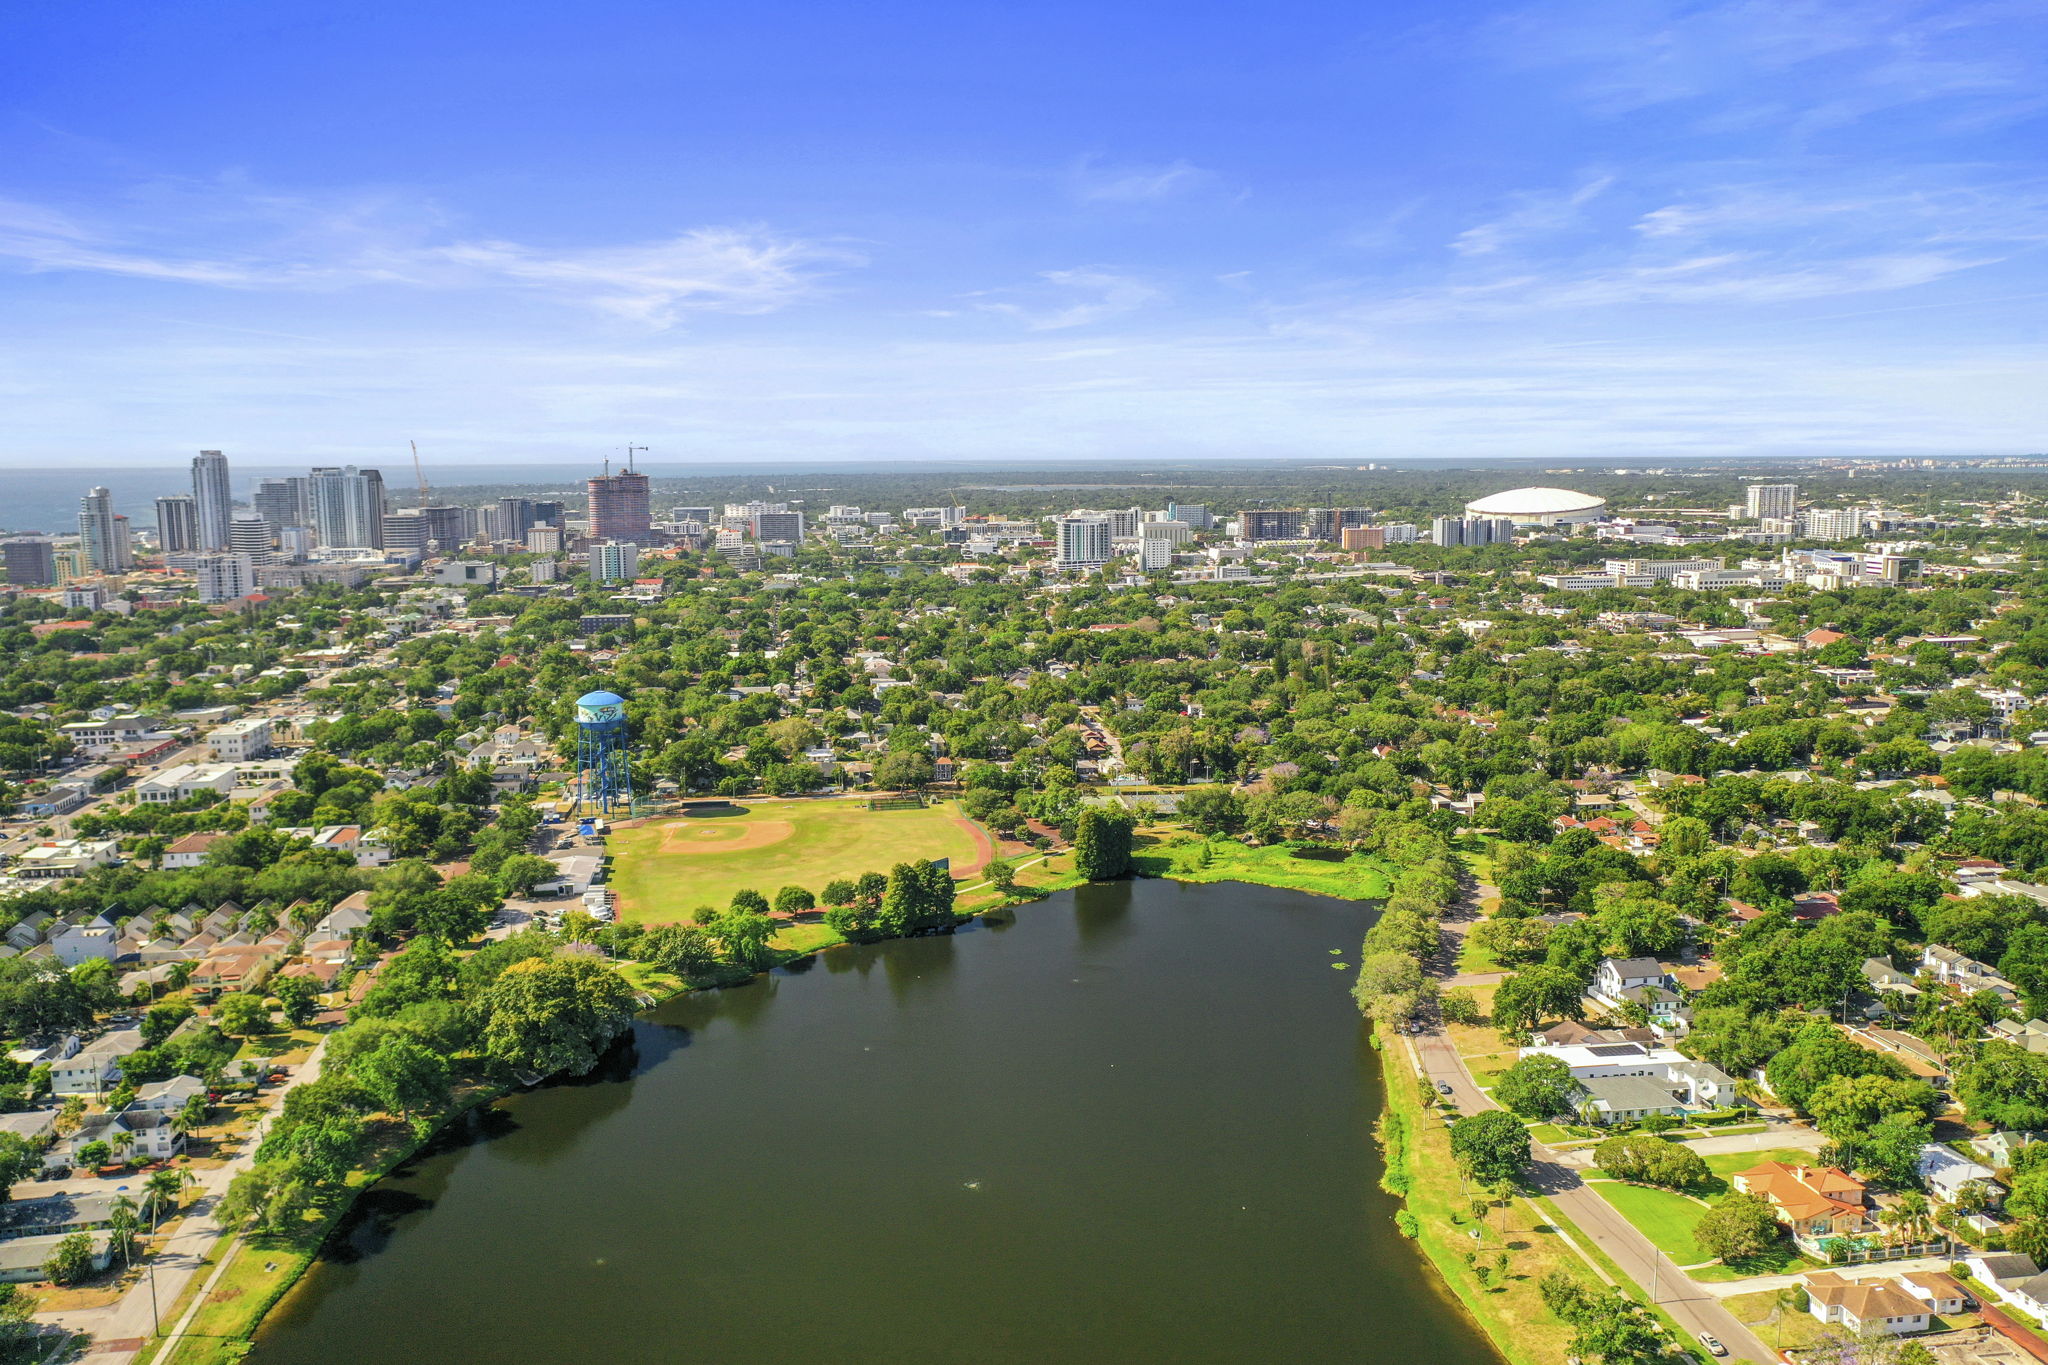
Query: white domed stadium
[1538, 506]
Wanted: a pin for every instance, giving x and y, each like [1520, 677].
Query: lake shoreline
[227, 1341]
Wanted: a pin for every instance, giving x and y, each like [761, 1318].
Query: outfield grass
[665, 869]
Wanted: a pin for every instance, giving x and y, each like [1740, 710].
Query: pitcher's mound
[725, 837]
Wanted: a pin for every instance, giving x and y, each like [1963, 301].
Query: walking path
[120, 1330]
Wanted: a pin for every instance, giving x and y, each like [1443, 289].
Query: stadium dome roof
[600, 699]
[1534, 502]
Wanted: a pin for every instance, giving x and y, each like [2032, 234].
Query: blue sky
[775, 231]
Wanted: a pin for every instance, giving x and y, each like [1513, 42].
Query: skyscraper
[102, 539]
[282, 502]
[177, 524]
[211, 500]
[613, 560]
[619, 508]
[1762, 500]
[250, 535]
[1083, 543]
[31, 561]
[348, 507]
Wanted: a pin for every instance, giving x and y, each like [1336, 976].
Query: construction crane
[426, 494]
[629, 455]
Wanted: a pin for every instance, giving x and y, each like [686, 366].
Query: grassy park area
[664, 869]
[1297, 867]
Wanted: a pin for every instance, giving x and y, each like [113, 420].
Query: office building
[1823, 524]
[295, 542]
[225, 578]
[282, 502]
[515, 518]
[1363, 538]
[249, 535]
[1193, 514]
[619, 508]
[177, 524]
[1083, 544]
[1760, 500]
[1328, 523]
[544, 540]
[702, 515]
[613, 560]
[1270, 523]
[447, 527]
[103, 535]
[787, 526]
[1154, 554]
[348, 507]
[1172, 532]
[211, 501]
[31, 561]
[406, 530]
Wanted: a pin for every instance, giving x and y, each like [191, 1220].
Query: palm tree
[122, 1221]
[164, 1187]
[122, 1142]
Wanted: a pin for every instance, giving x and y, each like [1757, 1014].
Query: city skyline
[1476, 230]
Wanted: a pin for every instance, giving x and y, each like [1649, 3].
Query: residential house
[1628, 1099]
[76, 943]
[2012, 1278]
[27, 932]
[1880, 1305]
[2032, 1035]
[1815, 1203]
[1950, 1176]
[1965, 974]
[1941, 1292]
[56, 1215]
[190, 851]
[150, 1137]
[54, 858]
[348, 918]
[1616, 975]
[168, 1096]
[22, 1258]
[30, 1125]
[2001, 1149]
[95, 1068]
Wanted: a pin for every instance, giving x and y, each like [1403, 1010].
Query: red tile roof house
[1816, 1203]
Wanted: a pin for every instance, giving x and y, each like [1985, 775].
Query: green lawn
[1668, 1218]
[666, 868]
[1660, 1215]
[1357, 877]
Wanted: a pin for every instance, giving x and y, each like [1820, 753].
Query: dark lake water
[1135, 1125]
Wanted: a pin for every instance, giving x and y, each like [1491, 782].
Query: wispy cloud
[290, 245]
[1532, 215]
[1075, 298]
[1097, 182]
[1805, 64]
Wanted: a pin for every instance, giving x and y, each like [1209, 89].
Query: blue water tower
[604, 780]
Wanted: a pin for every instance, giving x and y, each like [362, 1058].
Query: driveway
[120, 1330]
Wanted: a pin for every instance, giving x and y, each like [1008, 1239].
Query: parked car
[1713, 1345]
[1443, 1088]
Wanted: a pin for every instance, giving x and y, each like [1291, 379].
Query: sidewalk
[120, 1330]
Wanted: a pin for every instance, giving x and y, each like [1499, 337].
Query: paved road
[120, 1330]
[1689, 1304]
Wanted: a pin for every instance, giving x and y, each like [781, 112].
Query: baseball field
[664, 869]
